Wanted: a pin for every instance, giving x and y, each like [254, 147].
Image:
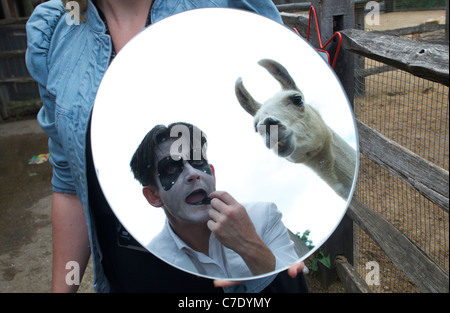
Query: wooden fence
[19, 94]
[429, 61]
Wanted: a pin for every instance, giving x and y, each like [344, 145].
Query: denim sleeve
[262, 7]
[40, 28]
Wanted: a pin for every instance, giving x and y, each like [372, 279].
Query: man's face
[183, 182]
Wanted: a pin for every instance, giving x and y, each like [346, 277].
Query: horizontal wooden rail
[294, 7]
[426, 60]
[375, 70]
[401, 251]
[12, 54]
[297, 21]
[418, 29]
[14, 21]
[349, 277]
[429, 180]
[304, 6]
[16, 80]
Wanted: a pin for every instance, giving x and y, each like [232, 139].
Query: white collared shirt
[223, 262]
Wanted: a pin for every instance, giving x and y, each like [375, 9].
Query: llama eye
[296, 100]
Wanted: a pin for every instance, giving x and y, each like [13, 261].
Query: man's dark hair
[143, 162]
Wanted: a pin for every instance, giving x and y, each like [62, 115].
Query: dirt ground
[406, 19]
[25, 197]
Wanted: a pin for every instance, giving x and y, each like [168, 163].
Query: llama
[301, 135]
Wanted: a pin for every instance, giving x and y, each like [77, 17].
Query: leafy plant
[320, 257]
[305, 239]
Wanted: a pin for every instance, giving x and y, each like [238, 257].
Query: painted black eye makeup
[171, 167]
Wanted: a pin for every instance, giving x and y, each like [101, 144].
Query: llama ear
[245, 99]
[279, 73]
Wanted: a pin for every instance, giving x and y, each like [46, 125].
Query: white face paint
[191, 186]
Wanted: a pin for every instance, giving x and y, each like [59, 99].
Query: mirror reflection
[257, 117]
[295, 130]
[206, 230]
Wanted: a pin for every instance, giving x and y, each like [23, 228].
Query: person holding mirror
[70, 45]
[206, 231]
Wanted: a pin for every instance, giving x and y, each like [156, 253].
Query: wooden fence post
[335, 16]
[360, 15]
[446, 22]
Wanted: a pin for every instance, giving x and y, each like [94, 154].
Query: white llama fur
[302, 136]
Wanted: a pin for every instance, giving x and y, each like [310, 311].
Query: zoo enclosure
[19, 94]
[398, 216]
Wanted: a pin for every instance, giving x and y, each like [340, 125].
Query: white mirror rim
[184, 68]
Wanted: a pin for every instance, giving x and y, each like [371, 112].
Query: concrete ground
[25, 208]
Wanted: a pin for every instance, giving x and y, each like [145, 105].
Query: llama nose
[268, 125]
[271, 121]
[265, 125]
[269, 128]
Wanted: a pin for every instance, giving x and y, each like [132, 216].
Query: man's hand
[233, 227]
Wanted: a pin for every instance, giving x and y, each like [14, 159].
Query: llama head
[289, 126]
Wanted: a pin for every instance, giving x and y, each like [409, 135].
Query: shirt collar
[182, 246]
[178, 241]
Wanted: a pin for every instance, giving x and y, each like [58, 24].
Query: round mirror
[280, 134]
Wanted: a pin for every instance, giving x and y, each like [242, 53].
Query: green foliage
[320, 257]
[304, 238]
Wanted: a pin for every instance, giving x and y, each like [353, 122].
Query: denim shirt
[68, 62]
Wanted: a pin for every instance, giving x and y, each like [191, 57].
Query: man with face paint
[206, 231]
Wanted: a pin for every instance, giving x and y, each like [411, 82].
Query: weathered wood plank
[3, 104]
[294, 7]
[14, 21]
[12, 54]
[401, 251]
[297, 21]
[375, 70]
[349, 277]
[423, 28]
[430, 61]
[16, 80]
[428, 179]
